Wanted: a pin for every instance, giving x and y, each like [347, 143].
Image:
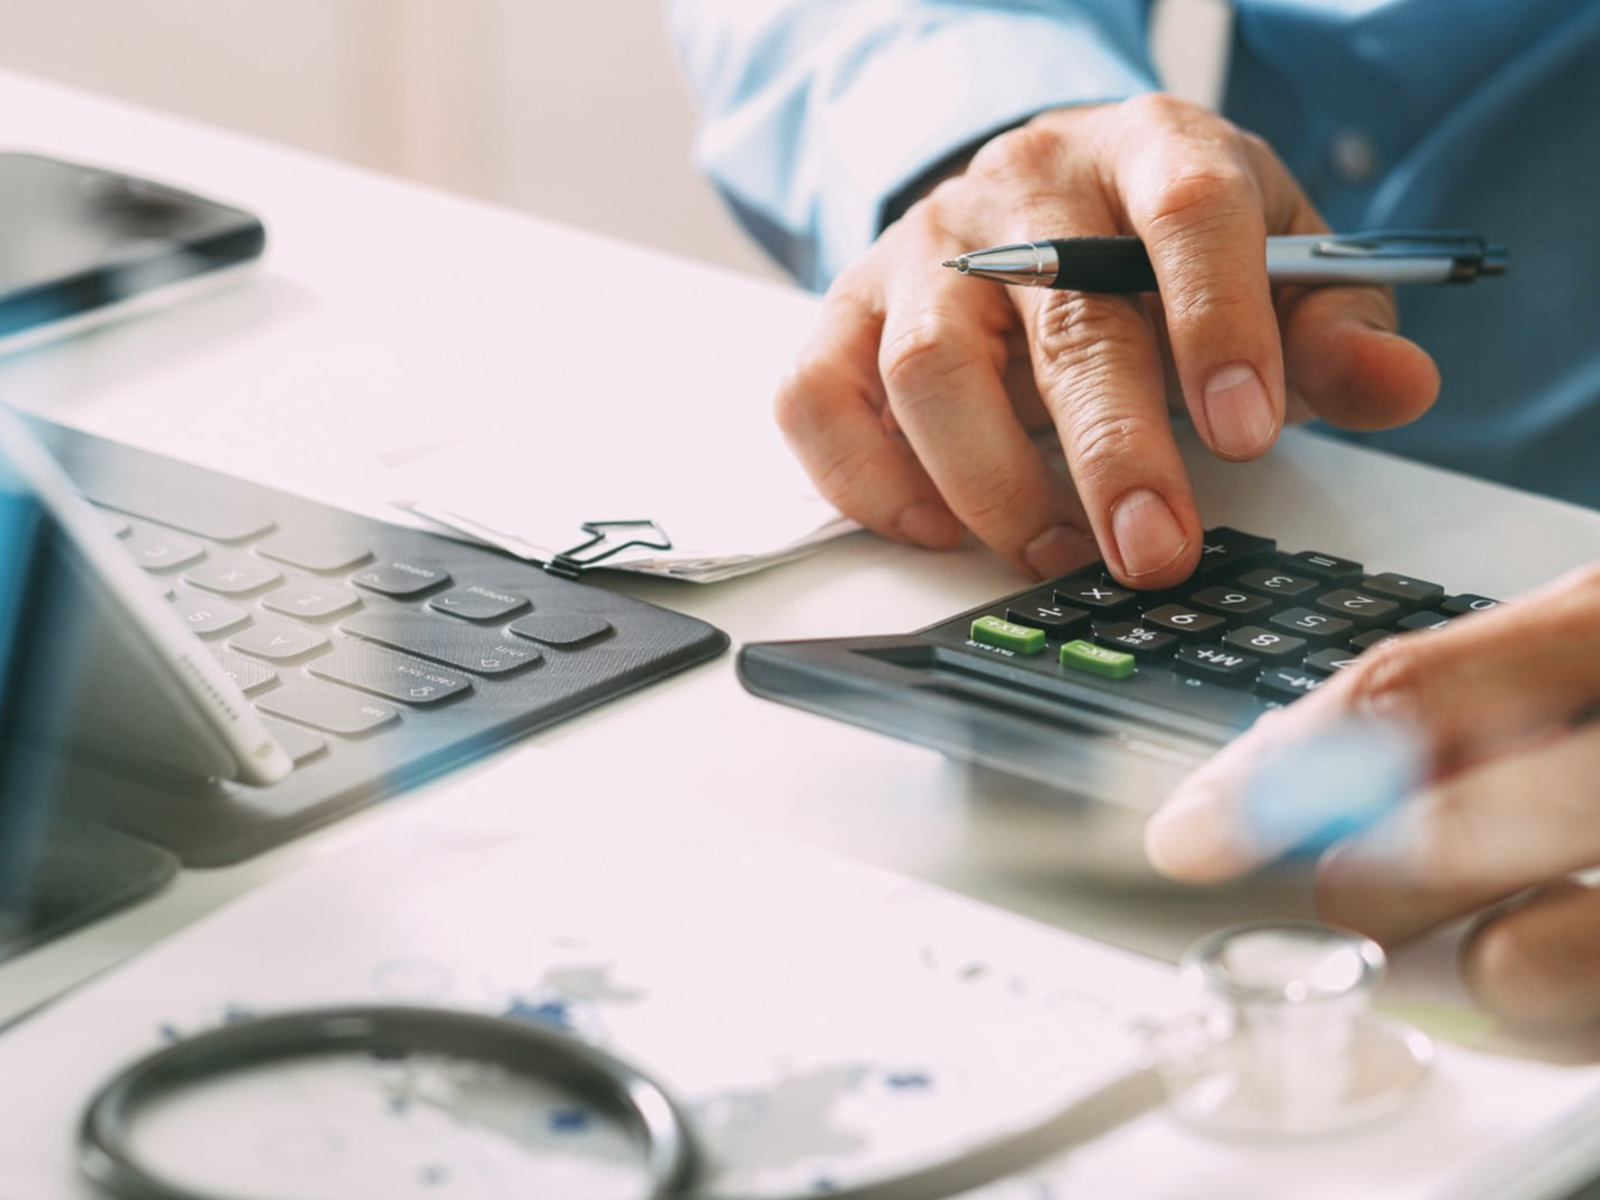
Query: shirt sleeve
[814, 112]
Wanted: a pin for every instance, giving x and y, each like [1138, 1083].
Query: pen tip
[959, 264]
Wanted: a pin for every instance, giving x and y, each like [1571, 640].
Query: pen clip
[1471, 253]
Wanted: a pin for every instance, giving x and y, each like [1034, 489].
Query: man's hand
[912, 406]
[1502, 707]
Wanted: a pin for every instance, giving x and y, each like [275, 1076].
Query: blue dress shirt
[1450, 114]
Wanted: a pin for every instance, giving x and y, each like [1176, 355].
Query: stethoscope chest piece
[1285, 1040]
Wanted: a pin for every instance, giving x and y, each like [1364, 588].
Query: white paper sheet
[721, 485]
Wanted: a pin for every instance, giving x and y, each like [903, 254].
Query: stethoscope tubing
[586, 1072]
[671, 1159]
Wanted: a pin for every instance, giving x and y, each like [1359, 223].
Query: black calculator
[1115, 694]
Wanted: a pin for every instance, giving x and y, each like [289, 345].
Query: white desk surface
[388, 317]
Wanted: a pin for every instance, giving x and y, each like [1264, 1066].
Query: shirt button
[1354, 155]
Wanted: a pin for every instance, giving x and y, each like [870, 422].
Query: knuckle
[1165, 110]
[991, 499]
[1256, 147]
[1258, 156]
[853, 287]
[937, 212]
[1079, 339]
[846, 481]
[1194, 308]
[1197, 197]
[1393, 675]
[923, 356]
[1020, 153]
[1102, 443]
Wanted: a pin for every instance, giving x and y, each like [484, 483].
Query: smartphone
[98, 663]
[81, 245]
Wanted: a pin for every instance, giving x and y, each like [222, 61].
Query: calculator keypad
[1252, 623]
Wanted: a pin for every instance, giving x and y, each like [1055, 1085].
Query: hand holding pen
[913, 404]
[1121, 266]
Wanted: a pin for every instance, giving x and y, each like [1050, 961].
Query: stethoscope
[1283, 1040]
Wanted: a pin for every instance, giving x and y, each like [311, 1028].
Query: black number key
[1266, 643]
[1272, 582]
[1460, 606]
[1145, 644]
[1041, 611]
[1217, 664]
[1325, 567]
[1231, 602]
[1317, 627]
[1359, 607]
[1187, 623]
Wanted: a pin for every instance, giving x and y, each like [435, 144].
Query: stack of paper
[700, 495]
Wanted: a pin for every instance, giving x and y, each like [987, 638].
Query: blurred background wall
[571, 109]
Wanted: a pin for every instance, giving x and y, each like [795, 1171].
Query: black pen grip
[1118, 265]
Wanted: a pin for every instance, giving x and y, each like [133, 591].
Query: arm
[814, 113]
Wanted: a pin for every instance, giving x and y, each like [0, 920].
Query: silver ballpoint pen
[1121, 264]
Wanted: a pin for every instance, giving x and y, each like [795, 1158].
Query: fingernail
[1189, 837]
[1058, 550]
[1239, 415]
[1148, 535]
[930, 525]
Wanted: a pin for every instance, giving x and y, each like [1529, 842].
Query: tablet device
[100, 664]
[80, 245]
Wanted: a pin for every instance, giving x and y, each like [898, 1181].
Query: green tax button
[1007, 635]
[1097, 660]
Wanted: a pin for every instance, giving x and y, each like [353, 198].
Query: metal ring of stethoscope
[586, 1072]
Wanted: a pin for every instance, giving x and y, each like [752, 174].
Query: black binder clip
[607, 538]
